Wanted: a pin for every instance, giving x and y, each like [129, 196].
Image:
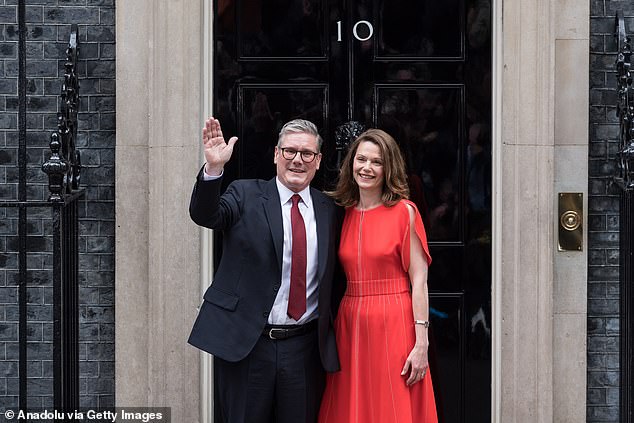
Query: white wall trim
[496, 251]
[157, 252]
[206, 268]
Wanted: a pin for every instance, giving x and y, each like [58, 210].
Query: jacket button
[265, 314]
[276, 288]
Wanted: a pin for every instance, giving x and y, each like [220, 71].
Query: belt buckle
[278, 330]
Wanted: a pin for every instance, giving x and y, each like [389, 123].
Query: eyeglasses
[290, 153]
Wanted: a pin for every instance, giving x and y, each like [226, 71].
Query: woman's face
[367, 167]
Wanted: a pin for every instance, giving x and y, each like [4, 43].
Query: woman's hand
[416, 364]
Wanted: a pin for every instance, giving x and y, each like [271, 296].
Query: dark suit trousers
[280, 381]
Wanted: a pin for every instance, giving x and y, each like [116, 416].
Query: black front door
[419, 69]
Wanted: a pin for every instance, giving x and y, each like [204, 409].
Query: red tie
[297, 294]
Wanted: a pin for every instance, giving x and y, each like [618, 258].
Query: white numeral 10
[354, 30]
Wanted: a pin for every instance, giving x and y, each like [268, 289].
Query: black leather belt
[278, 332]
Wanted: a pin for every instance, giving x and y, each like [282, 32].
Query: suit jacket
[236, 305]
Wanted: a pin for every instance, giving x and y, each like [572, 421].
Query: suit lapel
[273, 212]
[323, 232]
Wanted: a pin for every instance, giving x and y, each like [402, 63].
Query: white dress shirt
[278, 314]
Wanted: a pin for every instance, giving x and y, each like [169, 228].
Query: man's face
[295, 174]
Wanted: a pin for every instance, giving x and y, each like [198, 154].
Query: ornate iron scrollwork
[625, 107]
[65, 138]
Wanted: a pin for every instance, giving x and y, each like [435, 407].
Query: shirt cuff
[208, 177]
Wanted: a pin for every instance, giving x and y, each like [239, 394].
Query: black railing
[624, 179]
[63, 170]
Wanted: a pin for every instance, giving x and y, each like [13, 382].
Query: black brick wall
[48, 29]
[603, 215]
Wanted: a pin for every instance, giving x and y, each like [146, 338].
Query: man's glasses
[290, 153]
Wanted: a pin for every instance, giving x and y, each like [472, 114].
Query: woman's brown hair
[395, 188]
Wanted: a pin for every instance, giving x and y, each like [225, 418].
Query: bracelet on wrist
[422, 323]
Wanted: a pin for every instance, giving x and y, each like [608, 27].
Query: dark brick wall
[603, 215]
[48, 27]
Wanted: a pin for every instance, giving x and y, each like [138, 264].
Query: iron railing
[624, 179]
[63, 170]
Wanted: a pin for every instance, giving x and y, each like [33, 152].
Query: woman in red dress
[382, 323]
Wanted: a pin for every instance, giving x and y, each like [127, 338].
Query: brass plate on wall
[570, 221]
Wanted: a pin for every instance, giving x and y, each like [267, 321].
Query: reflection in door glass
[420, 28]
[425, 123]
[264, 110]
[281, 28]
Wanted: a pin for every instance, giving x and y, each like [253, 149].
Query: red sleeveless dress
[375, 324]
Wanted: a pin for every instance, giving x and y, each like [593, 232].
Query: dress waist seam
[374, 294]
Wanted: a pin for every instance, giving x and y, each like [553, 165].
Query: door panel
[446, 355]
[427, 122]
[419, 69]
[263, 109]
[282, 29]
[419, 30]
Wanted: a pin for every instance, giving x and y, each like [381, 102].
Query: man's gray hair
[300, 126]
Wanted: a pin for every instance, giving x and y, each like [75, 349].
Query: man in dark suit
[267, 316]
